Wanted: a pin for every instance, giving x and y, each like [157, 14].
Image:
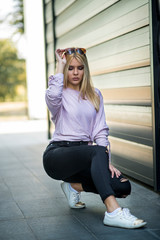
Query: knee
[124, 188]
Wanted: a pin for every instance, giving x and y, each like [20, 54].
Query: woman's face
[75, 74]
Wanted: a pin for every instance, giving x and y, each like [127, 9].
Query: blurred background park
[13, 88]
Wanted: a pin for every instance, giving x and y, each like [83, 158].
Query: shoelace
[126, 213]
[76, 197]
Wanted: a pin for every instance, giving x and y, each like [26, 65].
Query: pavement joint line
[86, 227]
[42, 184]
[31, 230]
[20, 209]
[153, 233]
[8, 188]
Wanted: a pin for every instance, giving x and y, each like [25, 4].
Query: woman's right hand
[61, 60]
[60, 56]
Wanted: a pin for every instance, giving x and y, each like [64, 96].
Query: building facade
[122, 42]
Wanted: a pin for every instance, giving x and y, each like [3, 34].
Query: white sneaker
[72, 197]
[123, 219]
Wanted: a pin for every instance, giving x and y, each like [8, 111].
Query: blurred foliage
[12, 73]
[18, 17]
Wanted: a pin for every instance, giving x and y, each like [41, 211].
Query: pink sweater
[75, 119]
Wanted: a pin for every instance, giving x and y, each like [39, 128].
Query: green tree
[12, 72]
[18, 17]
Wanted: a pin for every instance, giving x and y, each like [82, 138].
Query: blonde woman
[78, 114]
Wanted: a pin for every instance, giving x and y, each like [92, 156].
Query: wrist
[60, 68]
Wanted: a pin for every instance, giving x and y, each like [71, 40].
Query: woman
[78, 114]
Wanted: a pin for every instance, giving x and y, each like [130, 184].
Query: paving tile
[24, 152]
[144, 191]
[53, 186]
[8, 161]
[26, 188]
[155, 232]
[32, 163]
[9, 210]
[92, 199]
[15, 230]
[4, 151]
[35, 167]
[1, 180]
[29, 196]
[15, 172]
[145, 206]
[30, 159]
[5, 194]
[127, 234]
[92, 218]
[44, 207]
[24, 139]
[132, 200]
[38, 171]
[54, 228]
[151, 215]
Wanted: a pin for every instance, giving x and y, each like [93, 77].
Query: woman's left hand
[114, 171]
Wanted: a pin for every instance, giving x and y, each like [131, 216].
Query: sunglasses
[70, 51]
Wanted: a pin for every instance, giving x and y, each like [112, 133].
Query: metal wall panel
[123, 17]
[49, 22]
[79, 12]
[116, 35]
[61, 5]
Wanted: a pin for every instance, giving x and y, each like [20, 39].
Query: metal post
[46, 66]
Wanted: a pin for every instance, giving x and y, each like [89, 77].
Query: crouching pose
[78, 114]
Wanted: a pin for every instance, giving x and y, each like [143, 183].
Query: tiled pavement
[33, 207]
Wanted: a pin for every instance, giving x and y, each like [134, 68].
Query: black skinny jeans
[85, 164]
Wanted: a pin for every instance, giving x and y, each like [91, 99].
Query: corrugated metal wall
[116, 35]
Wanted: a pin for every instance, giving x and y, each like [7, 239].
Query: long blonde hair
[86, 88]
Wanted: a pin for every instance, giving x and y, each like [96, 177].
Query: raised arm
[53, 94]
[61, 60]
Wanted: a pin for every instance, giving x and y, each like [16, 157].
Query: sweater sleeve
[53, 94]
[100, 131]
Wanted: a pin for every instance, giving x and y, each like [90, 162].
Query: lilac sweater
[75, 119]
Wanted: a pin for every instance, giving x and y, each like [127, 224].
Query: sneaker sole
[129, 227]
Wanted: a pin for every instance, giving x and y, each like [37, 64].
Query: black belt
[68, 143]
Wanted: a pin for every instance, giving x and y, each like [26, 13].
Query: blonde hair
[86, 88]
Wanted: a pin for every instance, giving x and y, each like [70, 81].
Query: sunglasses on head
[70, 51]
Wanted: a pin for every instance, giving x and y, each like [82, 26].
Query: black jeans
[85, 164]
